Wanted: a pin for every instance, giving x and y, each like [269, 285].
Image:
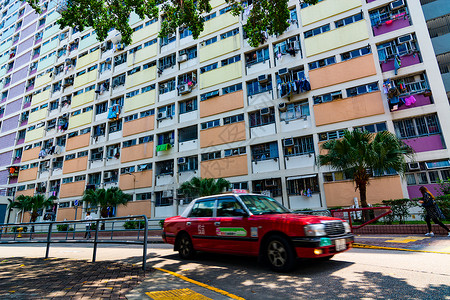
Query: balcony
[300, 161]
[407, 60]
[263, 130]
[267, 165]
[164, 179]
[426, 143]
[188, 145]
[189, 116]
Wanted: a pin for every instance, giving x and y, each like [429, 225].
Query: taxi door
[200, 224]
[231, 228]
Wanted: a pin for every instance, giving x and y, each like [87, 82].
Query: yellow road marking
[406, 239]
[356, 245]
[201, 284]
[182, 294]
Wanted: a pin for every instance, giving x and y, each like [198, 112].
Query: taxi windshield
[260, 205]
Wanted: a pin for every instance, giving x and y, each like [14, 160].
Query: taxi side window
[203, 209]
[227, 207]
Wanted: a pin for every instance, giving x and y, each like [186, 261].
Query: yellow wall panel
[218, 23]
[83, 98]
[336, 38]
[141, 100]
[85, 78]
[326, 9]
[41, 97]
[35, 134]
[220, 48]
[80, 120]
[143, 54]
[37, 115]
[145, 32]
[220, 75]
[44, 79]
[88, 59]
[141, 77]
[216, 3]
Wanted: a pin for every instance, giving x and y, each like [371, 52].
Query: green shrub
[14, 229]
[62, 227]
[400, 210]
[161, 223]
[444, 204]
[134, 225]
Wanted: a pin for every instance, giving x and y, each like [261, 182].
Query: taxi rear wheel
[279, 254]
[185, 247]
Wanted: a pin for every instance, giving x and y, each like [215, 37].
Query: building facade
[79, 114]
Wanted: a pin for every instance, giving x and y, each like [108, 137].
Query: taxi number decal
[254, 231]
[231, 231]
[201, 229]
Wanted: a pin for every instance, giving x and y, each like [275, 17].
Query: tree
[199, 187]
[360, 154]
[102, 15]
[22, 203]
[105, 198]
[33, 204]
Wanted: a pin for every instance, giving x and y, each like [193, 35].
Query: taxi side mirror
[240, 212]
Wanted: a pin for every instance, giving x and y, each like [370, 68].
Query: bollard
[20, 229]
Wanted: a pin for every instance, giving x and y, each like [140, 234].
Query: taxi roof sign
[239, 191]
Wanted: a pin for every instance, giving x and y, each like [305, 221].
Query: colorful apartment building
[78, 114]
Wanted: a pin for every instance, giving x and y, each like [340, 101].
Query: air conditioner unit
[263, 78]
[184, 89]
[282, 71]
[46, 164]
[405, 38]
[104, 45]
[107, 175]
[288, 142]
[269, 182]
[414, 166]
[282, 106]
[162, 115]
[181, 160]
[295, 45]
[265, 111]
[182, 58]
[397, 4]
[167, 194]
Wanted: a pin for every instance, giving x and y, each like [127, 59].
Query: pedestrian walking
[88, 225]
[432, 211]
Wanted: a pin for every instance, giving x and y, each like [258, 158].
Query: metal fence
[117, 230]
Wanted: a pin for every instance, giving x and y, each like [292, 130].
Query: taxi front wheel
[279, 254]
[185, 247]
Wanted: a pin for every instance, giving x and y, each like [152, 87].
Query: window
[233, 119]
[129, 143]
[298, 146]
[264, 151]
[225, 10]
[80, 178]
[317, 31]
[255, 57]
[82, 154]
[289, 46]
[208, 68]
[132, 94]
[147, 113]
[235, 151]
[143, 196]
[257, 87]
[167, 62]
[349, 20]
[295, 111]
[169, 109]
[301, 186]
[232, 89]
[211, 155]
[115, 126]
[131, 118]
[262, 117]
[167, 86]
[70, 156]
[327, 97]
[67, 180]
[229, 33]
[210, 124]
[226, 207]
[373, 128]
[418, 126]
[230, 60]
[356, 53]
[185, 32]
[188, 106]
[148, 88]
[331, 135]
[149, 43]
[190, 52]
[146, 139]
[101, 108]
[322, 63]
[362, 89]
[209, 95]
[209, 17]
[383, 14]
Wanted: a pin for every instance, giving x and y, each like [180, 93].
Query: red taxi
[256, 225]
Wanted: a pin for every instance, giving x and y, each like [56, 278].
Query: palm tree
[39, 202]
[105, 198]
[199, 187]
[22, 203]
[360, 153]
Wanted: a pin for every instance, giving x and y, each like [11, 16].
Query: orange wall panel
[68, 213]
[352, 69]
[30, 154]
[341, 193]
[78, 141]
[222, 104]
[29, 192]
[137, 152]
[135, 208]
[223, 134]
[224, 167]
[72, 189]
[129, 182]
[75, 165]
[349, 108]
[27, 175]
[138, 126]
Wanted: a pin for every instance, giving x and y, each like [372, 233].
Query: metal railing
[104, 231]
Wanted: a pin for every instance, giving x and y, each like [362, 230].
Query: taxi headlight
[347, 227]
[315, 230]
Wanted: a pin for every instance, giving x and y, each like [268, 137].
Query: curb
[357, 245]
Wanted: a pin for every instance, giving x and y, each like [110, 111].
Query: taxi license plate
[340, 244]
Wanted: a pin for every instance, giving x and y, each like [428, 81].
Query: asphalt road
[356, 274]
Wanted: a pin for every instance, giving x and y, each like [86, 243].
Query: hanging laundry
[114, 112]
[410, 100]
[397, 63]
